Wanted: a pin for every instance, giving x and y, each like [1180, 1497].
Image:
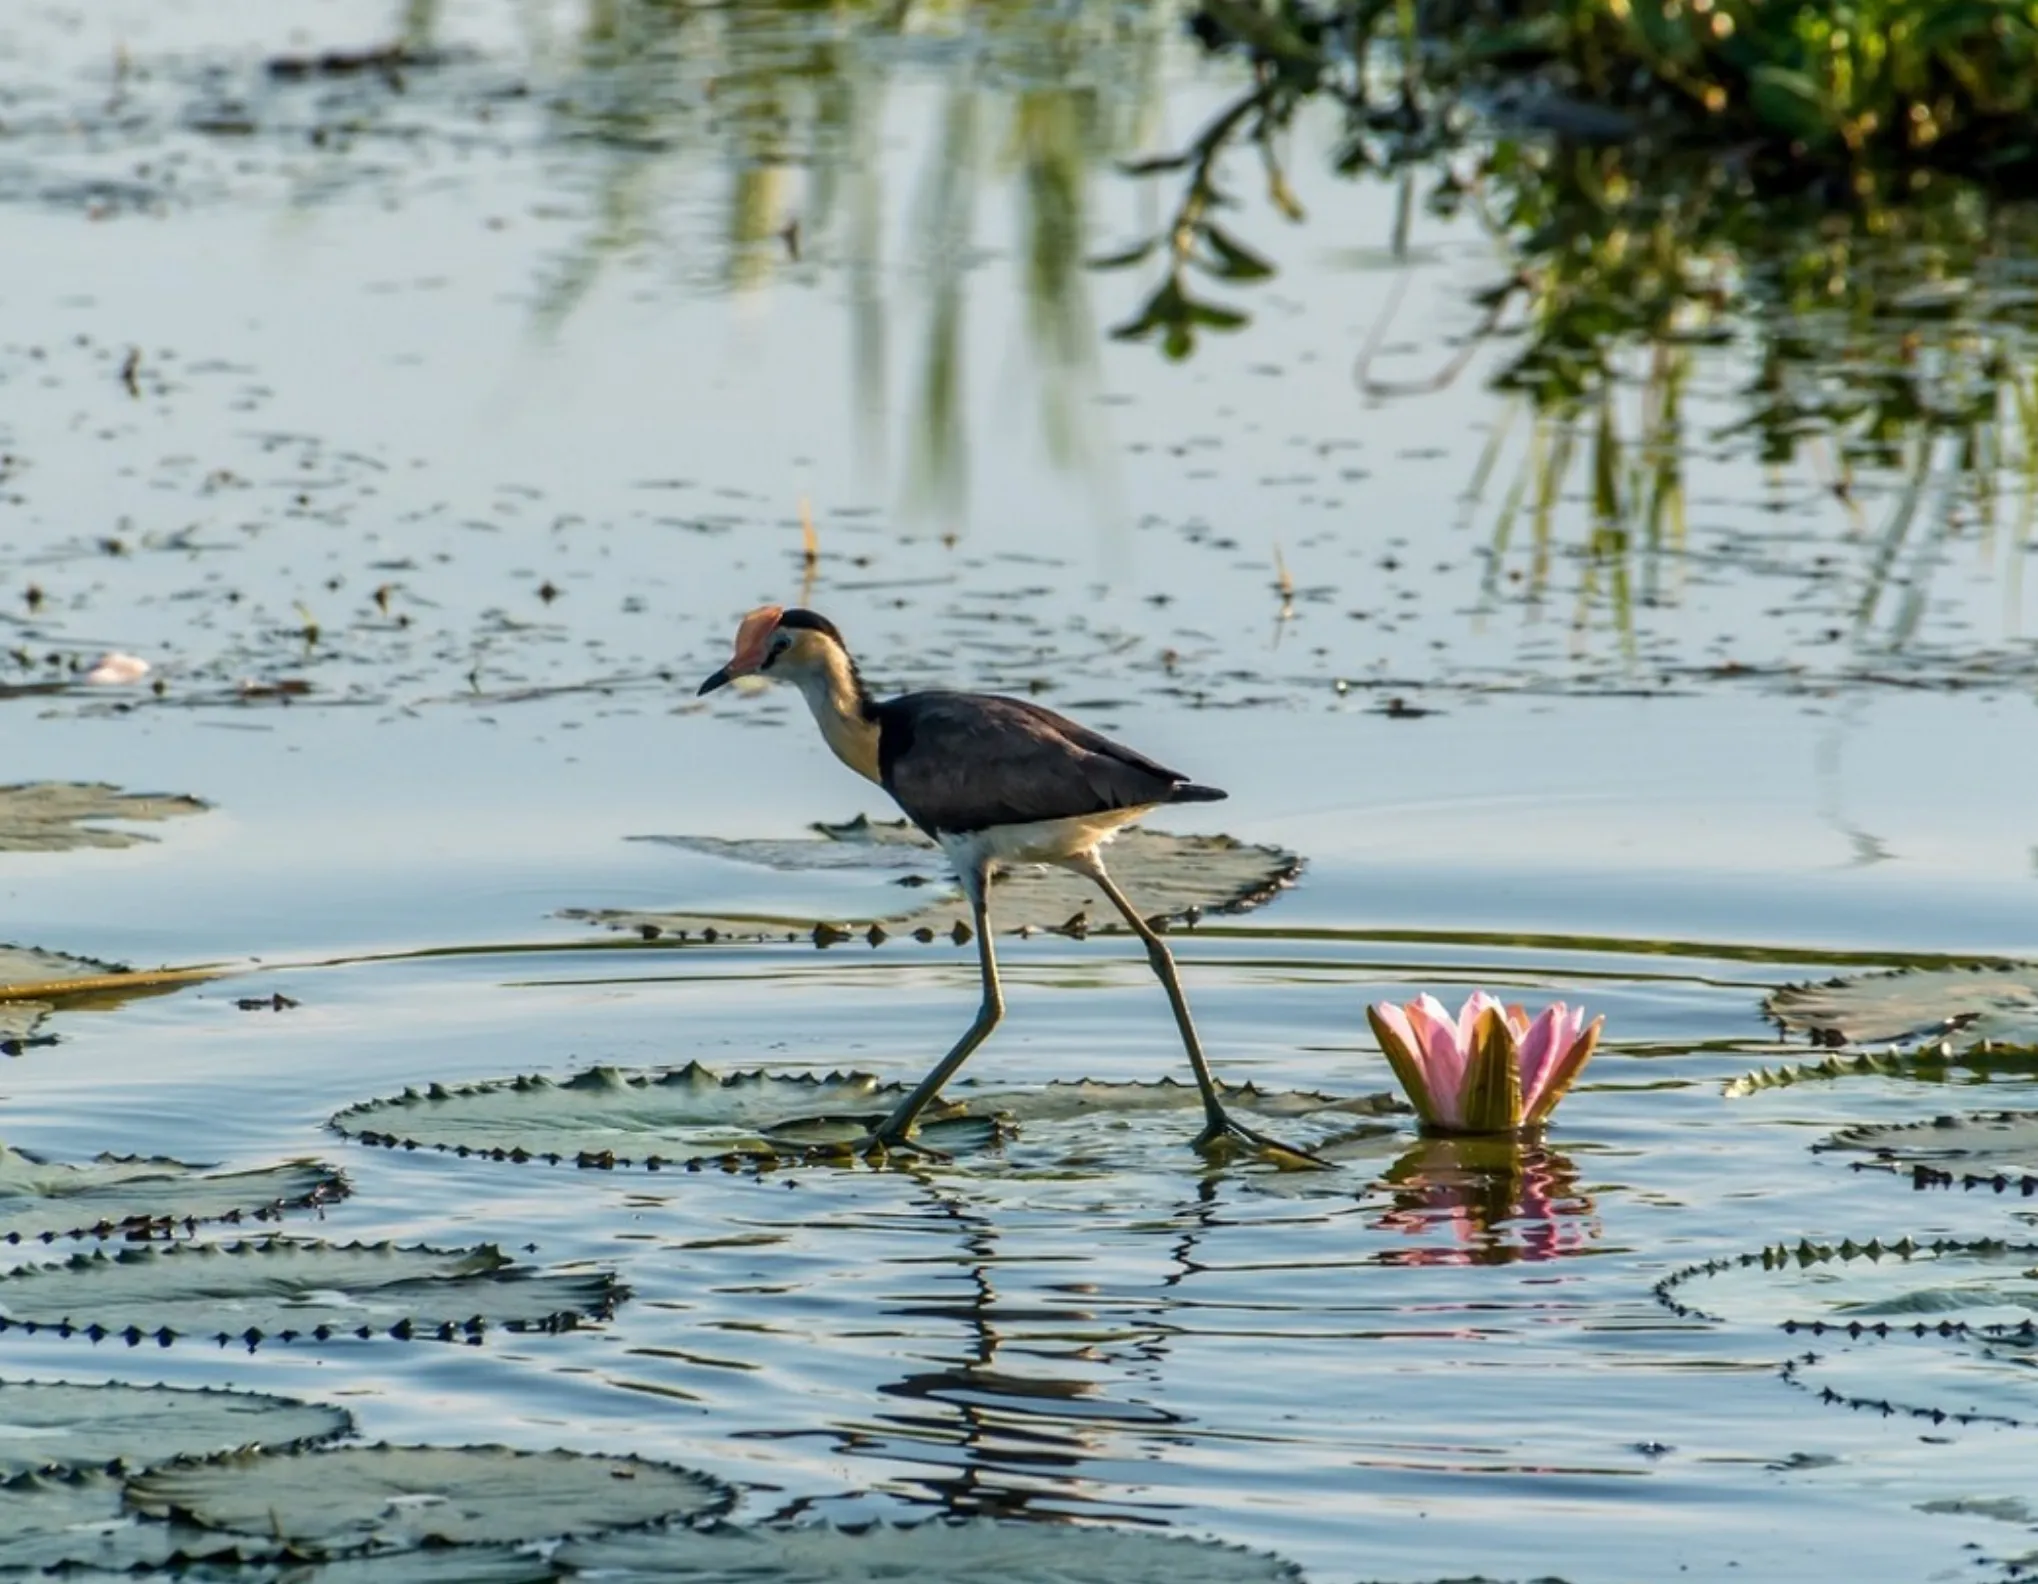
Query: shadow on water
[1864, 336]
[792, 102]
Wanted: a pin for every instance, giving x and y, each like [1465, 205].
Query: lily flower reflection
[1491, 1069]
[1501, 1200]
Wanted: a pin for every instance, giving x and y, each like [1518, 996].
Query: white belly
[1039, 841]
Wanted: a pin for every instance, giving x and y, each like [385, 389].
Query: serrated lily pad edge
[1783, 1256]
[729, 1160]
[720, 1495]
[1924, 1174]
[120, 1468]
[1792, 1373]
[471, 1331]
[1867, 1064]
[150, 1228]
[576, 1552]
[996, 1126]
[681, 928]
[1936, 1035]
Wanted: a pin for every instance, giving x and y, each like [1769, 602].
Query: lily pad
[18, 1023]
[1932, 1065]
[52, 1425]
[133, 1197]
[1178, 878]
[609, 1117]
[1943, 1385]
[80, 1525]
[983, 1551]
[35, 982]
[1981, 1149]
[1959, 1008]
[402, 1498]
[57, 816]
[23, 970]
[451, 1565]
[226, 1562]
[70, 1520]
[288, 1289]
[1982, 1289]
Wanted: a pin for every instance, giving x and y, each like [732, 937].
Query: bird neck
[843, 709]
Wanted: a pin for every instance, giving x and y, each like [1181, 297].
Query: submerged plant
[1492, 1068]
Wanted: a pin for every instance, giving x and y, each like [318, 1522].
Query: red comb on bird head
[752, 636]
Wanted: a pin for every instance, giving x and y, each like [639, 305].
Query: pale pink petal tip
[116, 670]
[1546, 1039]
[1477, 1005]
[1396, 1019]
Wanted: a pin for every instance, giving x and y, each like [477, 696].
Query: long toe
[880, 1148]
[1225, 1139]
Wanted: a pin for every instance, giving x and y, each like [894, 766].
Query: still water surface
[464, 358]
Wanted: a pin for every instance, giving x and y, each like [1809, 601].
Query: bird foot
[1224, 1140]
[878, 1148]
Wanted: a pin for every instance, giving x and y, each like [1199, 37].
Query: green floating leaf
[75, 1520]
[451, 1565]
[1959, 1383]
[23, 969]
[129, 1197]
[57, 816]
[19, 1021]
[53, 1424]
[611, 1117]
[227, 1559]
[982, 1551]
[394, 1498]
[1977, 1148]
[1963, 1009]
[34, 983]
[1920, 1066]
[288, 1289]
[1167, 876]
[1981, 1289]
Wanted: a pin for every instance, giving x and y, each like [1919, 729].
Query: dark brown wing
[965, 761]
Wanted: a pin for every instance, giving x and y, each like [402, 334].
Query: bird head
[782, 643]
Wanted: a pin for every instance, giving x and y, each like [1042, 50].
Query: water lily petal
[1492, 1102]
[1563, 1072]
[1547, 1037]
[1443, 1057]
[1401, 1047]
[1476, 1006]
[1428, 1006]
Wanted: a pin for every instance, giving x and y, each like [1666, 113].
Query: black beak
[720, 679]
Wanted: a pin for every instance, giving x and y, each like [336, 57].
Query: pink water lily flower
[1491, 1069]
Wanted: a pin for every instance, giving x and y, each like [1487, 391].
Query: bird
[992, 781]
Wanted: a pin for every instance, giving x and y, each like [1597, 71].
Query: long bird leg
[1218, 1123]
[891, 1133]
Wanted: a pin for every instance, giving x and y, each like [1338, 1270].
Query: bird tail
[1190, 792]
